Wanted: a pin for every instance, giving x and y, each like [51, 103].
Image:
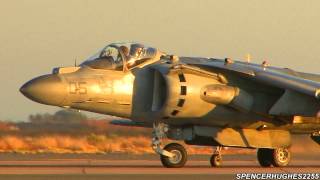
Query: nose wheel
[173, 155]
[178, 159]
[279, 157]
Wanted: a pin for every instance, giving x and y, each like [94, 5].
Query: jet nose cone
[24, 89]
[47, 89]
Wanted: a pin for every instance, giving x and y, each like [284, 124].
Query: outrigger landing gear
[173, 155]
[279, 157]
[216, 158]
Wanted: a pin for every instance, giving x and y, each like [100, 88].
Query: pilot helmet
[136, 50]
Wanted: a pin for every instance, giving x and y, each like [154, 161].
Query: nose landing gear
[173, 155]
[178, 159]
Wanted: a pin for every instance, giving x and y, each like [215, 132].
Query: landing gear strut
[279, 157]
[216, 158]
[173, 155]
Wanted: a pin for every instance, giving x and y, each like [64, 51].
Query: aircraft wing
[289, 82]
[297, 90]
[269, 75]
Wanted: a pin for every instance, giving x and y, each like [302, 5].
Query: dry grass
[81, 144]
[98, 136]
[103, 144]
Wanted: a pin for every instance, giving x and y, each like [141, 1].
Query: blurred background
[38, 35]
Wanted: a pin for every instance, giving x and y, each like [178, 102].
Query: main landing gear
[279, 157]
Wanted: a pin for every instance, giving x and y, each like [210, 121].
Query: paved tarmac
[148, 168]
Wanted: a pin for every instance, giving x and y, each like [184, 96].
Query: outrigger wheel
[178, 160]
[279, 157]
[216, 160]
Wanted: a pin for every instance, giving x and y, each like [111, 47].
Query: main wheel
[178, 160]
[279, 157]
[264, 157]
[216, 160]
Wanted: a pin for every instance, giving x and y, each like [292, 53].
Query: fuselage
[153, 93]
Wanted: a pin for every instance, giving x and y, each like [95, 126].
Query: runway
[146, 167]
[88, 167]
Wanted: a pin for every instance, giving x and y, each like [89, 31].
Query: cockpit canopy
[121, 56]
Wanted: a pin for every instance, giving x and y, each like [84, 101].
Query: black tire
[216, 160]
[179, 160]
[281, 157]
[264, 157]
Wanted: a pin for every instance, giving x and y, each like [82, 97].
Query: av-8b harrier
[201, 101]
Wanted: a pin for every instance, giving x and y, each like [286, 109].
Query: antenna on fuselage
[248, 58]
[75, 62]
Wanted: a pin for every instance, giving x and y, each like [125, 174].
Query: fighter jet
[201, 101]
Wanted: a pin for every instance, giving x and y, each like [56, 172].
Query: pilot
[135, 54]
[119, 61]
[124, 50]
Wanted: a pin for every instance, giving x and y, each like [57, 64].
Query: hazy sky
[37, 35]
